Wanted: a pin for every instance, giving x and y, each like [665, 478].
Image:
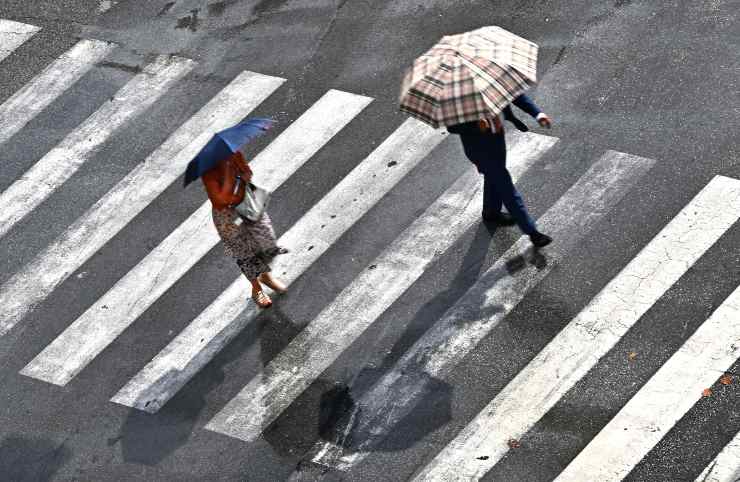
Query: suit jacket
[485, 146]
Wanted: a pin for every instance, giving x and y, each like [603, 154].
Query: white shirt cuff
[541, 115]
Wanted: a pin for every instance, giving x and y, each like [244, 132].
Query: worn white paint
[484, 305]
[106, 5]
[363, 301]
[590, 335]
[43, 89]
[183, 248]
[308, 239]
[663, 400]
[59, 164]
[726, 466]
[13, 35]
[130, 196]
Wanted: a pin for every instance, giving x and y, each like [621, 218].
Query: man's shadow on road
[340, 406]
[327, 408]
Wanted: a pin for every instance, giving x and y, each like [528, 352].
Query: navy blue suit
[487, 150]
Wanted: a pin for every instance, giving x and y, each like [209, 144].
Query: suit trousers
[498, 187]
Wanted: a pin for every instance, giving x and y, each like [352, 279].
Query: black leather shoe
[501, 219]
[540, 240]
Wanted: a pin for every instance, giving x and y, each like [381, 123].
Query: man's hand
[544, 120]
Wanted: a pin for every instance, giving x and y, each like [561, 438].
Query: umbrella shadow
[148, 438]
[431, 311]
[330, 411]
[31, 458]
[430, 397]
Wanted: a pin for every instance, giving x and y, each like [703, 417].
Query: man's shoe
[501, 219]
[540, 240]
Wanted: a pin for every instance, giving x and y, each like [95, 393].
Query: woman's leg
[274, 284]
[259, 296]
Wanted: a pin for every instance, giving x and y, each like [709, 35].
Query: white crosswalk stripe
[57, 166]
[13, 35]
[36, 95]
[319, 228]
[625, 441]
[131, 195]
[590, 335]
[484, 305]
[339, 324]
[664, 399]
[726, 466]
[159, 270]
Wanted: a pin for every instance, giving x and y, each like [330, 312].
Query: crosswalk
[641, 423]
[13, 35]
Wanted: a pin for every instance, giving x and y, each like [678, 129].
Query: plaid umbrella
[468, 76]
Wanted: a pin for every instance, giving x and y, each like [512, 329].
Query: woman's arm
[222, 195]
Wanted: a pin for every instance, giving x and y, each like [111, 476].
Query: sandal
[261, 299]
[278, 288]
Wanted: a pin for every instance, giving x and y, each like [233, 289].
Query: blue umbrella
[223, 144]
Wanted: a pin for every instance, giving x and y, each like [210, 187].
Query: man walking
[484, 144]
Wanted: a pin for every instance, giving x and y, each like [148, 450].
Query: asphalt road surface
[415, 343]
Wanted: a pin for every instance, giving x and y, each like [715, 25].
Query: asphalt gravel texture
[657, 79]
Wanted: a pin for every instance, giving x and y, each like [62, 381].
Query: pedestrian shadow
[31, 459]
[430, 312]
[424, 401]
[148, 438]
[328, 410]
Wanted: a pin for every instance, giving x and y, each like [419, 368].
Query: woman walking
[251, 244]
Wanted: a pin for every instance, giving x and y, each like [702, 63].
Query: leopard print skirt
[251, 244]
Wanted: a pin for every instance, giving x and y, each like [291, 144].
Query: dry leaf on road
[725, 379]
[632, 355]
[514, 443]
[707, 392]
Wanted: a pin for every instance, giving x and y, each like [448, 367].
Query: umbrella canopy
[223, 144]
[468, 76]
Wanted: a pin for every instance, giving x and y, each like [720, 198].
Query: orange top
[220, 181]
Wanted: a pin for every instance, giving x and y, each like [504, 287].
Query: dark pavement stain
[166, 8]
[134, 69]
[266, 6]
[190, 22]
[218, 8]
[559, 57]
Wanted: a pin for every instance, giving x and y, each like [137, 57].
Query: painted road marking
[43, 89]
[59, 164]
[726, 466]
[104, 220]
[344, 320]
[103, 322]
[484, 305]
[13, 35]
[663, 400]
[590, 335]
[308, 239]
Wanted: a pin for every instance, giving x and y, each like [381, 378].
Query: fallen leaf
[725, 379]
[514, 443]
[707, 392]
[632, 355]
[483, 457]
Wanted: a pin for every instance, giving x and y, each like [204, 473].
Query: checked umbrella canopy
[469, 76]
